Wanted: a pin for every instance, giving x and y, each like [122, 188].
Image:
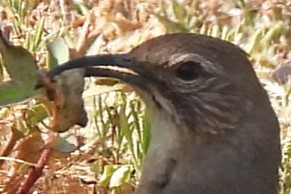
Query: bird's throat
[161, 154]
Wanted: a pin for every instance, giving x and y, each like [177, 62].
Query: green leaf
[19, 63]
[81, 6]
[124, 126]
[274, 33]
[38, 35]
[171, 26]
[120, 176]
[254, 44]
[146, 132]
[58, 52]
[36, 114]
[11, 93]
[22, 69]
[179, 11]
[106, 175]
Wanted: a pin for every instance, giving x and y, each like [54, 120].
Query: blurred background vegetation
[106, 155]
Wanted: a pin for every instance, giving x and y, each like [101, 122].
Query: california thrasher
[213, 128]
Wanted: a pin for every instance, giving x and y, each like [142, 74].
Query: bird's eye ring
[188, 70]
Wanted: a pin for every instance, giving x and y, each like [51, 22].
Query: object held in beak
[67, 86]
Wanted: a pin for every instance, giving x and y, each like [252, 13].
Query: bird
[214, 130]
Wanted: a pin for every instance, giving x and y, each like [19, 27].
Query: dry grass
[261, 27]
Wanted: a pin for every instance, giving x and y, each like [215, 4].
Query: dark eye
[189, 70]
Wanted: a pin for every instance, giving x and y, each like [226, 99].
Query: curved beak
[118, 66]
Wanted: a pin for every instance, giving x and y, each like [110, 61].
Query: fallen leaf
[66, 93]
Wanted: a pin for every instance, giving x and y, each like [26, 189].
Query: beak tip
[43, 78]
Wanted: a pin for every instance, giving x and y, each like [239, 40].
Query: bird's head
[201, 82]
